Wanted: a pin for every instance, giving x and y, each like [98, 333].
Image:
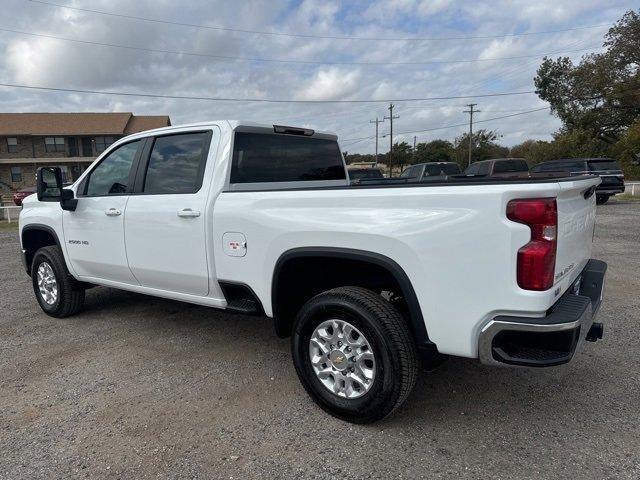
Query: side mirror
[49, 183]
[67, 201]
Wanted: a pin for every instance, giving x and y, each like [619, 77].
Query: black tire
[387, 333]
[70, 295]
[602, 199]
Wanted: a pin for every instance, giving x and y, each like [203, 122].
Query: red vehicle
[22, 194]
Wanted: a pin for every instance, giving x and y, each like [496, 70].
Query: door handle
[188, 213]
[112, 212]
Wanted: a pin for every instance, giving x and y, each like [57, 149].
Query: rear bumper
[609, 189]
[554, 338]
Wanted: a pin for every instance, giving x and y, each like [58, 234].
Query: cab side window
[176, 164]
[111, 176]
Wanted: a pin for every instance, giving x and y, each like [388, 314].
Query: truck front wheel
[354, 354]
[58, 294]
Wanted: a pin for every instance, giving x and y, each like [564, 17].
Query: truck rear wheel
[601, 199]
[58, 294]
[354, 354]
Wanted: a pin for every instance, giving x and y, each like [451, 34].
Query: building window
[54, 144]
[12, 145]
[102, 143]
[16, 174]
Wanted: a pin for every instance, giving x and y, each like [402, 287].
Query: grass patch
[6, 226]
[627, 196]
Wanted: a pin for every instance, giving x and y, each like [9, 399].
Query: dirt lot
[138, 387]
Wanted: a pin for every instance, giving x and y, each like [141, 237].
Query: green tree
[600, 95]
[484, 146]
[627, 150]
[566, 143]
[434, 151]
[402, 154]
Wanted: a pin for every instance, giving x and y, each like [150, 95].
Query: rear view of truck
[556, 259]
[367, 278]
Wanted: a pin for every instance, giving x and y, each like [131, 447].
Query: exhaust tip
[595, 332]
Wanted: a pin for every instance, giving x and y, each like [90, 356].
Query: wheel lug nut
[339, 344]
[331, 346]
[348, 349]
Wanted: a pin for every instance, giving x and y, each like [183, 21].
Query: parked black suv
[606, 168]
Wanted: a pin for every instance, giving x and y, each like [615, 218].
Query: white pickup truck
[366, 279]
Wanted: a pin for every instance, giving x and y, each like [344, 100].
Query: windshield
[431, 169]
[603, 165]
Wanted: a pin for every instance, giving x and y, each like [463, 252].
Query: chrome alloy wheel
[342, 358]
[47, 283]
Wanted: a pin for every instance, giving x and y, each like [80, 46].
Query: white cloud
[331, 84]
[47, 62]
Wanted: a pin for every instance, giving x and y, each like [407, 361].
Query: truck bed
[464, 180]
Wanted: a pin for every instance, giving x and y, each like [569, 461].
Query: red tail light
[537, 259]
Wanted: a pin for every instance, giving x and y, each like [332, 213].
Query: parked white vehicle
[366, 279]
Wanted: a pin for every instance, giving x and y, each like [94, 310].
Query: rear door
[94, 232]
[165, 224]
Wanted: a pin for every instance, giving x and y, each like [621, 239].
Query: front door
[166, 219]
[94, 232]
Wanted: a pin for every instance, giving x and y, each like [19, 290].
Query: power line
[477, 121]
[452, 126]
[303, 35]
[278, 60]
[260, 100]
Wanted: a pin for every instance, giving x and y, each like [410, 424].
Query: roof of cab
[231, 124]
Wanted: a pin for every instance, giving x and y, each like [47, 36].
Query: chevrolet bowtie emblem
[339, 359]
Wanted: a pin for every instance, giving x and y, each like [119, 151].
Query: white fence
[9, 214]
[632, 188]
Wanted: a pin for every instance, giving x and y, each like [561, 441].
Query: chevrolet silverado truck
[262, 220]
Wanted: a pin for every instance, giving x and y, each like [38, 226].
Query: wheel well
[34, 239]
[303, 273]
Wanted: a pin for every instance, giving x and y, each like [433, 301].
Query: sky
[303, 51]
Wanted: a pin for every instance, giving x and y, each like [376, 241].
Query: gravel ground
[139, 387]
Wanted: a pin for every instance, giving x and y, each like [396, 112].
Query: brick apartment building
[68, 140]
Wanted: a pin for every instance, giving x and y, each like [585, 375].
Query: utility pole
[471, 111]
[390, 118]
[414, 149]
[376, 121]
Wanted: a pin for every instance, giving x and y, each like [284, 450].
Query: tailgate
[576, 222]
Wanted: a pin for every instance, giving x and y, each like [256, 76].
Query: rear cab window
[365, 173]
[595, 165]
[263, 160]
[508, 166]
